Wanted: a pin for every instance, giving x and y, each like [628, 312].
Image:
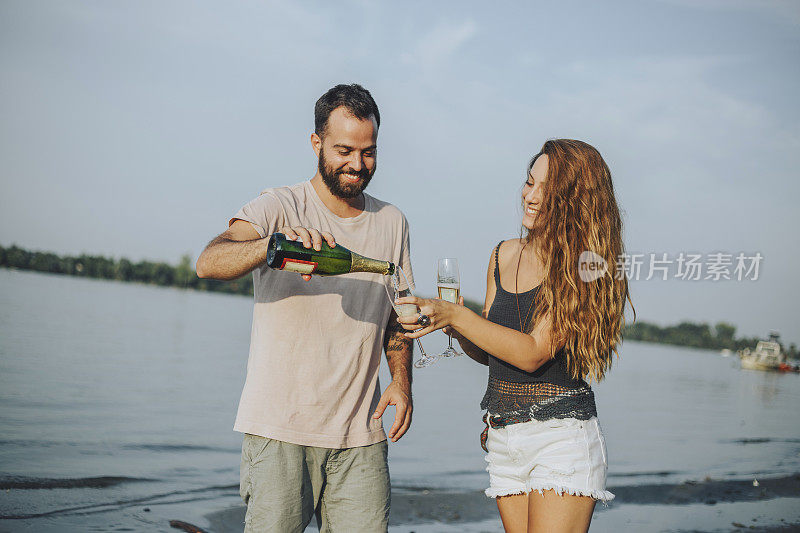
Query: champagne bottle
[285, 254]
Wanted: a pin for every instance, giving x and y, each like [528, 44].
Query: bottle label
[299, 266]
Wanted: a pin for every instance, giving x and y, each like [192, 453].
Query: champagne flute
[449, 284]
[393, 292]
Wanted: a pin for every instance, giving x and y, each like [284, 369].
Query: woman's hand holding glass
[440, 312]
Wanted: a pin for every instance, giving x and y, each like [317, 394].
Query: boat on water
[766, 356]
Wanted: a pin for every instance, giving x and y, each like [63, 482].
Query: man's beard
[336, 183]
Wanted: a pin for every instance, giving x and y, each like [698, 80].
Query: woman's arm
[525, 351]
[475, 353]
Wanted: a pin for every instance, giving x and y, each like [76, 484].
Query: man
[311, 404]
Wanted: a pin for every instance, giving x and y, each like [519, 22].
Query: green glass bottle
[285, 254]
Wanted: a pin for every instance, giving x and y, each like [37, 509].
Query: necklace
[516, 293]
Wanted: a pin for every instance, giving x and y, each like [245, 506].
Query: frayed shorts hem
[601, 495]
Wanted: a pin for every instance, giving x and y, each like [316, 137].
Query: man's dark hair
[353, 97]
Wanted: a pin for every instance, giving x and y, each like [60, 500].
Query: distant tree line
[721, 336]
[96, 266]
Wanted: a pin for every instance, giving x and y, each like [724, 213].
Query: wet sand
[418, 505]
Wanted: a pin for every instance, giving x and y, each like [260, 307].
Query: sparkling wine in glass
[449, 283]
[393, 292]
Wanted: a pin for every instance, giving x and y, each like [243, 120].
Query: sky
[136, 129]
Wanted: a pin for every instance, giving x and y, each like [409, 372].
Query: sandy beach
[420, 510]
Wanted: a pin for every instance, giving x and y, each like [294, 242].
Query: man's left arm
[399, 351]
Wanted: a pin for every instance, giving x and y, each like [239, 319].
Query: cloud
[670, 105]
[682, 145]
[440, 44]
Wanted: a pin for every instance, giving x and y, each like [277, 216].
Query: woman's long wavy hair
[579, 213]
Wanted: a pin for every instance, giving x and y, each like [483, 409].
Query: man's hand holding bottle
[312, 238]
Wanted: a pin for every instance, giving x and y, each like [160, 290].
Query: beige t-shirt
[315, 346]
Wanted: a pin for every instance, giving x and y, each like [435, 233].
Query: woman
[548, 323]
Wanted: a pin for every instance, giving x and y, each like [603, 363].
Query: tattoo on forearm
[393, 346]
[399, 349]
[395, 341]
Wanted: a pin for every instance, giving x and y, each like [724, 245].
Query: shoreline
[420, 506]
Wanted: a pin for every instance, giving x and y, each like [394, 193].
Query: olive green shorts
[284, 485]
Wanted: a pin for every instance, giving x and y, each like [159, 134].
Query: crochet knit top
[549, 391]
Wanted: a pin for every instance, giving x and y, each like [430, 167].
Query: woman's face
[532, 191]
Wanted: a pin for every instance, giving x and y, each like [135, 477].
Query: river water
[117, 404]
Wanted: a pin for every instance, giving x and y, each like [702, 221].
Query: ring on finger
[424, 320]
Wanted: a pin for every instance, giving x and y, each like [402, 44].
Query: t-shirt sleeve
[265, 213]
[405, 257]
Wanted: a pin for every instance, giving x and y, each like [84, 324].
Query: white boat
[766, 356]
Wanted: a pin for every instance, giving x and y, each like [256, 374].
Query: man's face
[347, 153]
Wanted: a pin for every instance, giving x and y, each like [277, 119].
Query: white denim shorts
[566, 455]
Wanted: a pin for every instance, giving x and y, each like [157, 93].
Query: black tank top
[549, 391]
